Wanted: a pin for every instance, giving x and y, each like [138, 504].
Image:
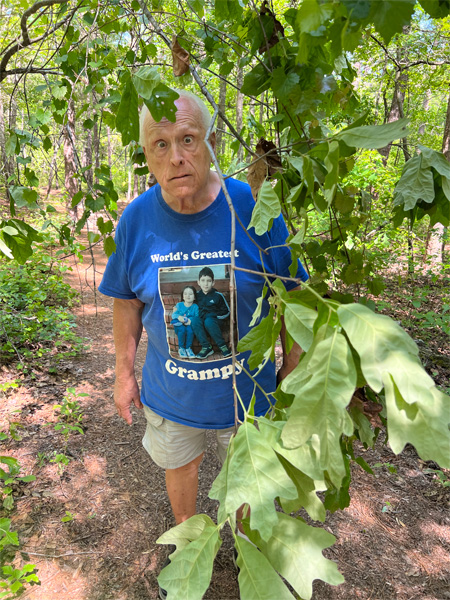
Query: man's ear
[147, 159]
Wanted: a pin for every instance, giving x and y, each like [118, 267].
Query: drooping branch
[26, 40]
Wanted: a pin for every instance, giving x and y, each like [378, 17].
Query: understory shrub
[35, 317]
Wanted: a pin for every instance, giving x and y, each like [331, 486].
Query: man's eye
[188, 139]
[161, 144]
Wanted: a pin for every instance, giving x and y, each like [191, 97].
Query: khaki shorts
[172, 445]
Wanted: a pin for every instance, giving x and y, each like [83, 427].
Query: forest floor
[393, 541]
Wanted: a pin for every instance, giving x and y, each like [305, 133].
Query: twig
[59, 555]
[131, 453]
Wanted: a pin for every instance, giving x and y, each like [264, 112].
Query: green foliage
[70, 413]
[345, 219]
[13, 580]
[10, 479]
[35, 318]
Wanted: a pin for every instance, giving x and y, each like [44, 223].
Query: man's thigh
[171, 445]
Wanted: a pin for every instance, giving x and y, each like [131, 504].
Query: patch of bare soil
[393, 542]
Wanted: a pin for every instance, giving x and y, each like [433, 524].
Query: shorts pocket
[152, 418]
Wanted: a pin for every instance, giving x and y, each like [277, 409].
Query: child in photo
[182, 317]
[213, 309]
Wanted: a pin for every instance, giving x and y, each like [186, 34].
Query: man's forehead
[187, 113]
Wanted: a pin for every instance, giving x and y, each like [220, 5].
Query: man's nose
[176, 155]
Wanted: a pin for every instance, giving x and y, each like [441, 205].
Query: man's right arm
[127, 327]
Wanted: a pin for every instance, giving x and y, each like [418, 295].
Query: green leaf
[162, 103]
[306, 490]
[366, 434]
[373, 136]
[12, 145]
[300, 322]
[145, 81]
[267, 208]
[24, 196]
[437, 10]
[227, 10]
[254, 476]
[283, 84]
[109, 245]
[257, 81]
[260, 339]
[390, 16]
[320, 402]
[424, 424]
[415, 184]
[295, 551]
[188, 575]
[312, 14]
[257, 578]
[127, 118]
[384, 347]
[332, 166]
[7, 536]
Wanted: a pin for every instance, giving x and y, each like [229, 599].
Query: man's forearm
[127, 327]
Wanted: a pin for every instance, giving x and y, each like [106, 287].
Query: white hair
[204, 112]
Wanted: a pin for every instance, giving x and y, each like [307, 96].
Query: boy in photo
[213, 310]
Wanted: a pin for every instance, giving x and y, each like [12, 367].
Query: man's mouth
[179, 177]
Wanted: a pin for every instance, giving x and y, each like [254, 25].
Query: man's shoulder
[141, 203]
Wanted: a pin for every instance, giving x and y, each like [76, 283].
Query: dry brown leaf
[277, 33]
[267, 166]
[257, 172]
[180, 58]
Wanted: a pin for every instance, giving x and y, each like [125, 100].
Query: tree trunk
[108, 133]
[436, 236]
[220, 134]
[95, 144]
[70, 165]
[2, 141]
[53, 172]
[239, 107]
[396, 110]
[87, 155]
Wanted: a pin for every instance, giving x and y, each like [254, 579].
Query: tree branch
[26, 40]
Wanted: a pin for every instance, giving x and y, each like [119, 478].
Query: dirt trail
[392, 542]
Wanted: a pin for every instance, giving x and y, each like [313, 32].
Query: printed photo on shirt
[196, 304]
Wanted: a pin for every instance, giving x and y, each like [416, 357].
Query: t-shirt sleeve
[282, 256]
[115, 281]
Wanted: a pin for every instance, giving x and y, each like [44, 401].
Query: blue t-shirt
[158, 248]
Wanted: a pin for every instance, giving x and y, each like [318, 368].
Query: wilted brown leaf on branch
[266, 166]
[180, 58]
[277, 32]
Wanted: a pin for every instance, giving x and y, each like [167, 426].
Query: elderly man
[181, 225]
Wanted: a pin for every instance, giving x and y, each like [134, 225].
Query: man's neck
[197, 203]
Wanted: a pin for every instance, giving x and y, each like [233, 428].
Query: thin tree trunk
[436, 236]
[95, 144]
[239, 107]
[70, 165]
[396, 110]
[220, 135]
[108, 133]
[53, 172]
[87, 155]
[2, 141]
